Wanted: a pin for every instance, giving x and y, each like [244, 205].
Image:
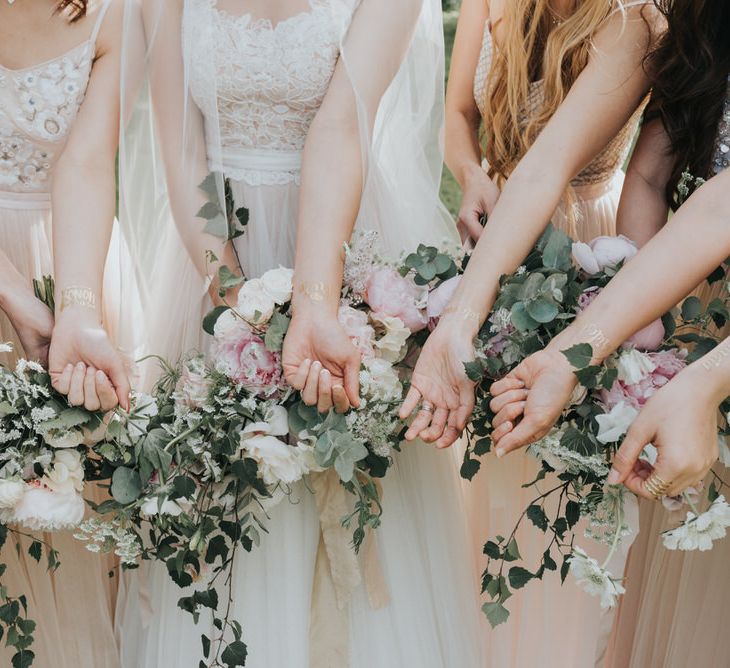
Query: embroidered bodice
[259, 85]
[605, 164]
[721, 157]
[38, 106]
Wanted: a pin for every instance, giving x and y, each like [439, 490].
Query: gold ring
[656, 486]
[427, 407]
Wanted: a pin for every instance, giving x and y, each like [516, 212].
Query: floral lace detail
[721, 158]
[38, 107]
[260, 85]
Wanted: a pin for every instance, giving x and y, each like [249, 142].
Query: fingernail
[69, 367]
[307, 361]
[499, 452]
[80, 365]
[613, 477]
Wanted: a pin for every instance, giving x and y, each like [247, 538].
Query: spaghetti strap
[99, 21]
[627, 5]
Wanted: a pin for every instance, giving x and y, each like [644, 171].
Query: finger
[509, 413]
[438, 424]
[524, 433]
[324, 395]
[463, 411]
[471, 222]
[339, 397]
[410, 403]
[509, 397]
[505, 384]
[423, 419]
[76, 387]
[309, 393]
[91, 398]
[298, 378]
[451, 435]
[627, 455]
[117, 374]
[107, 395]
[62, 382]
[352, 380]
[501, 431]
[635, 482]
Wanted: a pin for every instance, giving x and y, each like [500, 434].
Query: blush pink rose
[245, 359]
[603, 252]
[439, 299]
[390, 294]
[649, 338]
[356, 326]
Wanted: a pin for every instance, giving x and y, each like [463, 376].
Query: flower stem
[688, 501]
[617, 534]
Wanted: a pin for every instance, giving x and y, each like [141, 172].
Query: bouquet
[558, 280]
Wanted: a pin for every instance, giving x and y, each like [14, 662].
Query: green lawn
[450, 191]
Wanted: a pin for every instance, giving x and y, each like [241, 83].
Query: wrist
[589, 333]
[77, 315]
[472, 173]
[710, 375]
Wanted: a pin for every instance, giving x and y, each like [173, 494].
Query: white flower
[62, 440]
[649, 454]
[6, 347]
[152, 507]
[614, 424]
[380, 381]
[633, 366]
[690, 496]
[276, 424]
[594, 579]
[255, 304]
[603, 252]
[278, 461]
[11, 491]
[724, 449]
[392, 345]
[42, 509]
[699, 532]
[145, 408]
[229, 326]
[560, 458]
[278, 284]
[66, 473]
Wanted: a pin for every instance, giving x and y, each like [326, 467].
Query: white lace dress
[38, 106]
[268, 83]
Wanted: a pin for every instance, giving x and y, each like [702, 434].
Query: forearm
[642, 211]
[713, 371]
[689, 247]
[463, 153]
[11, 281]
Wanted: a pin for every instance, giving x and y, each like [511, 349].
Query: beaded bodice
[605, 164]
[260, 85]
[721, 156]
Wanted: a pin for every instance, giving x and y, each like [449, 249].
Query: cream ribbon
[336, 576]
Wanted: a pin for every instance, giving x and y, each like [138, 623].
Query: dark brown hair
[689, 72]
[74, 9]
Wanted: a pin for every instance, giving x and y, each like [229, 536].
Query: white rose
[603, 252]
[392, 345]
[229, 327]
[66, 474]
[278, 461]
[66, 439]
[633, 366]
[278, 284]
[11, 491]
[381, 382]
[42, 509]
[276, 424]
[255, 304]
[613, 425]
[151, 507]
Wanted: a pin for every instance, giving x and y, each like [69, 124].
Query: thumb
[472, 224]
[627, 455]
[118, 376]
[352, 379]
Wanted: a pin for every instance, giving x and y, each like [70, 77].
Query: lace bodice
[260, 85]
[38, 106]
[721, 157]
[605, 164]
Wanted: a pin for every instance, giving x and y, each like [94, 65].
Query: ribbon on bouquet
[337, 574]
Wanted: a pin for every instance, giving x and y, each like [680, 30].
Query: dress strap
[99, 21]
[627, 5]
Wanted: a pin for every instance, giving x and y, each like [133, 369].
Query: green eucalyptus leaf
[126, 485]
[542, 309]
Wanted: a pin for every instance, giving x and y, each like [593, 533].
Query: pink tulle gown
[675, 611]
[549, 625]
[72, 607]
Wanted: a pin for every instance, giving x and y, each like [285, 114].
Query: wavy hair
[689, 70]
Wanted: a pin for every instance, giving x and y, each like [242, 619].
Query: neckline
[263, 23]
[65, 54]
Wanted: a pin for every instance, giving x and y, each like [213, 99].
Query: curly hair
[74, 9]
[689, 71]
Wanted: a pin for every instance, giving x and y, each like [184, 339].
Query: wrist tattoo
[715, 358]
[77, 295]
[466, 314]
[316, 291]
[595, 337]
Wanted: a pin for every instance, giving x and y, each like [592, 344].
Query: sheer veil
[174, 137]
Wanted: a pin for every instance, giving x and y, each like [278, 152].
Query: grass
[450, 191]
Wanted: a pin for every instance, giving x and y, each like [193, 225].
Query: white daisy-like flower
[594, 579]
[6, 347]
[698, 532]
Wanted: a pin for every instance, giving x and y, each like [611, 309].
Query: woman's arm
[83, 196]
[463, 152]
[693, 243]
[332, 185]
[643, 208]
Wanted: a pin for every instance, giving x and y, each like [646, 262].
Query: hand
[84, 364]
[479, 199]
[537, 391]
[320, 361]
[440, 383]
[33, 321]
[680, 420]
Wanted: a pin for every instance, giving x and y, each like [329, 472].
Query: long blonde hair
[532, 48]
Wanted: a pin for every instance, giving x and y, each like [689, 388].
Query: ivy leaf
[548, 562]
[210, 186]
[235, 654]
[572, 513]
[23, 659]
[491, 549]
[35, 550]
[580, 355]
[206, 646]
[691, 308]
[483, 446]
[470, 467]
[228, 279]
[512, 553]
[208, 211]
[183, 487]
[519, 577]
[474, 370]
[496, 613]
[588, 377]
[537, 516]
[217, 227]
[564, 569]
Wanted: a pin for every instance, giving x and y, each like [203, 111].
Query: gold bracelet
[77, 295]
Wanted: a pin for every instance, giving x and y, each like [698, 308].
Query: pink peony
[390, 294]
[244, 358]
[603, 252]
[356, 326]
[649, 338]
[587, 297]
[194, 384]
[439, 299]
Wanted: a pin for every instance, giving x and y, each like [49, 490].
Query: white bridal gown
[261, 85]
